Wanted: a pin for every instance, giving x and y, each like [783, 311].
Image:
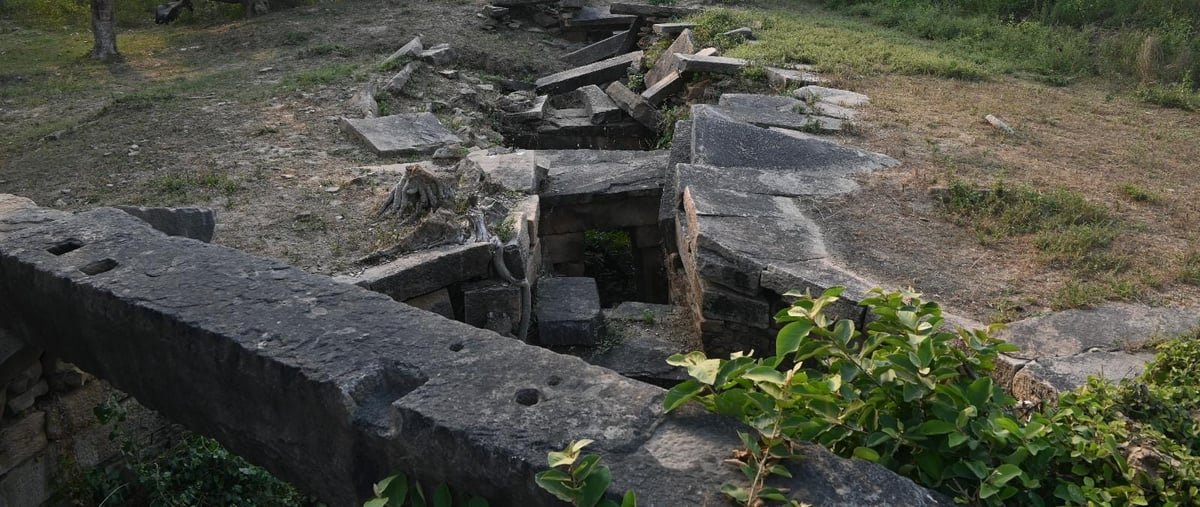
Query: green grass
[1002, 212]
[1139, 194]
[1191, 269]
[320, 76]
[186, 185]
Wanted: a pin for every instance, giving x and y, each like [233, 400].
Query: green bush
[920, 400]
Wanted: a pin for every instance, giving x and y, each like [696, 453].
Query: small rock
[440, 55]
[514, 25]
[744, 33]
[332, 189]
[495, 11]
[449, 73]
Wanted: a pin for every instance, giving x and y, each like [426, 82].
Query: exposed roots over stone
[418, 191]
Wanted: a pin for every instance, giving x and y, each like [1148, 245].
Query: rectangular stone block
[668, 62]
[595, 18]
[401, 134]
[436, 302]
[672, 28]
[195, 223]
[426, 271]
[568, 311]
[606, 48]
[599, 73]
[634, 105]
[652, 11]
[711, 64]
[600, 108]
[492, 305]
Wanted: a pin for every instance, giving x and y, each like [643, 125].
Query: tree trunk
[104, 30]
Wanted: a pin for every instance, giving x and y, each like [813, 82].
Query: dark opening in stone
[528, 397]
[456, 347]
[69, 245]
[100, 266]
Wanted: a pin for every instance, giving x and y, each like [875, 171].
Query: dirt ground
[242, 116]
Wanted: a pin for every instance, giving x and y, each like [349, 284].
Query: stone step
[568, 311]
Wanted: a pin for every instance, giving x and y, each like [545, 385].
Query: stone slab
[1110, 327]
[536, 111]
[781, 79]
[435, 302]
[652, 11]
[644, 336]
[396, 84]
[513, 172]
[764, 181]
[568, 311]
[668, 62]
[492, 305]
[583, 176]
[426, 271]
[599, 107]
[401, 134]
[843, 98]
[599, 73]
[672, 28]
[195, 223]
[662, 90]
[412, 49]
[710, 64]
[606, 48]
[1044, 379]
[597, 17]
[634, 105]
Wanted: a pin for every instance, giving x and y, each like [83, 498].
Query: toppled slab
[782, 79]
[710, 64]
[672, 28]
[619, 43]
[1111, 327]
[634, 105]
[194, 223]
[842, 98]
[568, 311]
[401, 134]
[426, 271]
[600, 108]
[596, 18]
[396, 84]
[776, 111]
[652, 11]
[536, 111]
[667, 62]
[512, 172]
[581, 176]
[599, 73]
[411, 50]
[1044, 379]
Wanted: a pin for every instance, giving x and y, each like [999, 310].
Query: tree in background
[104, 30]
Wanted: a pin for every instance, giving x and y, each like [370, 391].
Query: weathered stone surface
[441, 54]
[411, 50]
[364, 100]
[22, 439]
[536, 111]
[645, 336]
[568, 311]
[600, 108]
[1110, 327]
[401, 134]
[582, 176]
[816, 276]
[194, 223]
[435, 302]
[28, 484]
[828, 109]
[666, 87]
[711, 64]
[495, 11]
[634, 105]
[515, 172]
[765, 181]
[667, 62]
[596, 18]
[832, 95]
[857, 483]
[787, 78]
[15, 358]
[775, 111]
[18, 403]
[519, 3]
[396, 84]
[1045, 378]
[606, 48]
[720, 140]
[672, 28]
[652, 11]
[490, 302]
[559, 248]
[599, 73]
[426, 271]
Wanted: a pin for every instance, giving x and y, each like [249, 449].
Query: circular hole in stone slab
[554, 380]
[528, 397]
[456, 347]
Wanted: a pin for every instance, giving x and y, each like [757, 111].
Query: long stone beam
[333, 387]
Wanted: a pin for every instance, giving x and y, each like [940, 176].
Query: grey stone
[560, 248]
[827, 480]
[495, 12]
[643, 336]
[1110, 327]
[765, 181]
[441, 54]
[710, 64]
[488, 300]
[600, 108]
[582, 176]
[775, 111]
[568, 311]
[411, 50]
[816, 276]
[634, 105]
[607, 48]
[437, 302]
[18, 403]
[396, 84]
[1044, 379]
[596, 18]
[668, 62]
[195, 223]
[832, 95]
[667, 86]
[514, 172]
[652, 11]
[536, 111]
[828, 109]
[787, 78]
[364, 100]
[66, 376]
[744, 33]
[22, 439]
[426, 271]
[519, 3]
[15, 359]
[599, 73]
[29, 483]
[672, 28]
[401, 134]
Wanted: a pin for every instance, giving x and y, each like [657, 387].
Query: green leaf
[584, 467]
[765, 374]
[843, 331]
[935, 427]
[595, 486]
[681, 393]
[555, 481]
[789, 338]
[866, 453]
[955, 439]
[375, 502]
[442, 497]
[477, 502]
[396, 491]
[630, 499]
[418, 495]
[382, 486]
[1003, 474]
[737, 493]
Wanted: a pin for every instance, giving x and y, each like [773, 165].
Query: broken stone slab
[599, 73]
[879, 158]
[817, 276]
[512, 172]
[710, 64]
[401, 134]
[828, 109]
[607, 48]
[411, 50]
[764, 181]
[1110, 327]
[723, 141]
[597, 18]
[842, 98]
[672, 28]
[775, 111]
[568, 311]
[195, 223]
[762, 240]
[426, 271]
[519, 3]
[495, 11]
[396, 84]
[782, 79]
[536, 111]
[600, 108]
[1043, 379]
[440, 55]
[21, 402]
[583, 176]
[492, 305]
[668, 63]
[634, 105]
[652, 11]
[436, 302]
[665, 88]
[364, 100]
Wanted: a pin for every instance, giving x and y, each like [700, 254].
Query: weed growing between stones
[920, 400]
[580, 479]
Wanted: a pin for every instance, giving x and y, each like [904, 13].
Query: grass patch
[1191, 269]
[1001, 212]
[183, 185]
[1139, 194]
[320, 76]
[325, 49]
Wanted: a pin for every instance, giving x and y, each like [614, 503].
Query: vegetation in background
[920, 400]
[608, 257]
[400, 491]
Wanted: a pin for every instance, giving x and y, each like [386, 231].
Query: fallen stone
[832, 95]
[666, 87]
[20, 402]
[495, 11]
[668, 62]
[607, 48]
[21, 439]
[782, 79]
[1110, 327]
[600, 108]
[710, 64]
[411, 50]
[672, 28]
[828, 109]
[775, 111]
[597, 18]
[441, 54]
[644, 335]
[599, 73]
[66, 376]
[401, 134]
[519, 3]
[436, 302]
[511, 172]
[583, 176]
[195, 223]
[634, 105]
[743, 33]
[652, 11]
[536, 111]
[1043, 379]
[568, 311]
[426, 271]
[492, 301]
[364, 101]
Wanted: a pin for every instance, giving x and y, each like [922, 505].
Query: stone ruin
[477, 343]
